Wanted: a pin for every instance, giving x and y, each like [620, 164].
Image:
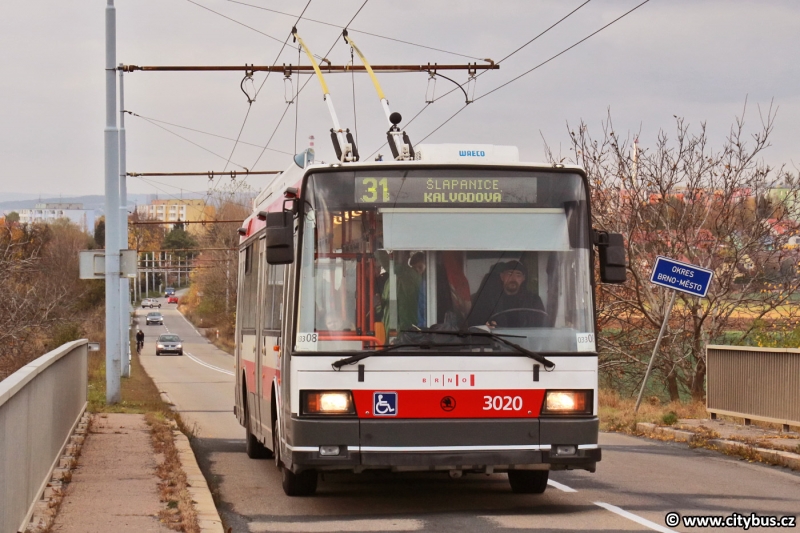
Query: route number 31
[502, 403]
[377, 190]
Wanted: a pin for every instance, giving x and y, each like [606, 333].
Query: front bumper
[466, 445]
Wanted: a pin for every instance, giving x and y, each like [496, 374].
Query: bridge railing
[40, 406]
[754, 383]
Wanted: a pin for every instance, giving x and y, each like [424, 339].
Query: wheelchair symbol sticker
[384, 403]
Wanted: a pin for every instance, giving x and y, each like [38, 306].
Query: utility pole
[124, 283]
[111, 145]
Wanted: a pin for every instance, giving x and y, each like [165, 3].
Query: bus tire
[255, 450]
[528, 481]
[301, 484]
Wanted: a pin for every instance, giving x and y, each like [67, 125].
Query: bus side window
[249, 288]
[271, 307]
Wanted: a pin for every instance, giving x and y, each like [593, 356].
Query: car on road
[154, 317]
[169, 291]
[151, 303]
[172, 299]
[169, 343]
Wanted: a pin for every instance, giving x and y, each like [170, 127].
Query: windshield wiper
[337, 365]
[548, 365]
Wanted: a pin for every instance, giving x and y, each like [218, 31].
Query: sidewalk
[115, 486]
[752, 443]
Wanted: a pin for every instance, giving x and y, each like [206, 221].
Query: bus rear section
[437, 318]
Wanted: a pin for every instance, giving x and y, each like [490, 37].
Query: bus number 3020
[502, 403]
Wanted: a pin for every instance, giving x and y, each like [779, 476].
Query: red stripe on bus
[515, 403]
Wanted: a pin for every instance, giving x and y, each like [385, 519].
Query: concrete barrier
[40, 405]
[754, 383]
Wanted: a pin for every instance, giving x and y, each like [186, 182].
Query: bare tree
[213, 293]
[41, 290]
[722, 209]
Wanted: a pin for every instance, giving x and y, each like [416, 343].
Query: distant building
[173, 211]
[50, 212]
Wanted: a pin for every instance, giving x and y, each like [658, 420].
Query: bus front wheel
[301, 484]
[528, 481]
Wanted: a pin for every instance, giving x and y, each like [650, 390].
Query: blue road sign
[682, 277]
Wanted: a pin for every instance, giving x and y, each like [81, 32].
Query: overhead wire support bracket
[307, 69]
[210, 174]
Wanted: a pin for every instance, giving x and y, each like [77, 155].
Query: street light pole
[111, 146]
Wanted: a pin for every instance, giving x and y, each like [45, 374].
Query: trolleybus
[434, 314]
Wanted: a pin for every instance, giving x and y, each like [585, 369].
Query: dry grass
[179, 513]
[139, 393]
[616, 413]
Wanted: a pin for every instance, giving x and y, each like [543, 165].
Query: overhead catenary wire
[300, 89]
[191, 142]
[427, 104]
[204, 132]
[359, 31]
[538, 65]
[250, 102]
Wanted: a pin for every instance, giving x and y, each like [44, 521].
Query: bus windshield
[394, 256]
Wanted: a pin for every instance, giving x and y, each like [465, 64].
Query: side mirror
[612, 257]
[280, 238]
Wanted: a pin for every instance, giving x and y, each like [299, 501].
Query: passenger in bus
[418, 263]
[407, 284]
[505, 301]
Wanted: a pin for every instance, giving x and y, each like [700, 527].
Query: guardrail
[40, 405]
[754, 383]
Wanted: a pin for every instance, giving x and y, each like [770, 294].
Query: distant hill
[95, 201]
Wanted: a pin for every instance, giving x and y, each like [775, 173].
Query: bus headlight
[568, 402]
[327, 403]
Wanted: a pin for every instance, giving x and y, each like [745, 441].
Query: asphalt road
[637, 483]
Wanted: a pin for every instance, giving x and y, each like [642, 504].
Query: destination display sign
[681, 276]
[472, 191]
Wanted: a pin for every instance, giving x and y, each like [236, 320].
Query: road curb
[207, 515]
[729, 447]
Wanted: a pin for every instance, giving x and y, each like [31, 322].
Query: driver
[515, 306]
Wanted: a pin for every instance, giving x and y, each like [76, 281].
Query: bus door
[271, 322]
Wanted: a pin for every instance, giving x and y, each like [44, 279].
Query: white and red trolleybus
[434, 314]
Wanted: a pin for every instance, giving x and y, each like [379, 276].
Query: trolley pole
[124, 282]
[111, 145]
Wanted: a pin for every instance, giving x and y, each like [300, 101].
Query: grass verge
[616, 413]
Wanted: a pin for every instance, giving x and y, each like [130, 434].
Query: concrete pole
[146, 277]
[111, 144]
[124, 282]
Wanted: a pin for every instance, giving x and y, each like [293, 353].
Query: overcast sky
[695, 59]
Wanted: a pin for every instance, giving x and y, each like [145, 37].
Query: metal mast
[111, 146]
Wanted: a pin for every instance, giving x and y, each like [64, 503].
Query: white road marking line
[560, 486]
[212, 367]
[187, 321]
[383, 524]
[635, 518]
